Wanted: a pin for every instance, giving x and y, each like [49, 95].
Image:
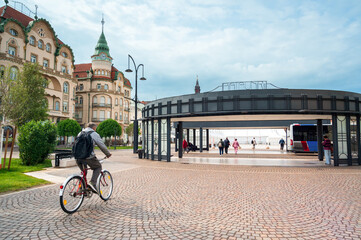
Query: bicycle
[75, 188]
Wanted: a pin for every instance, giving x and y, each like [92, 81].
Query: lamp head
[142, 78]
[128, 70]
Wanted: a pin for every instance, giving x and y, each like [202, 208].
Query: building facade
[102, 92]
[24, 39]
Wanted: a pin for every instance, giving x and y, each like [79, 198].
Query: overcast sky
[292, 44]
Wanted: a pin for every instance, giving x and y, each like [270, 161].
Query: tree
[37, 139]
[130, 130]
[68, 127]
[109, 128]
[25, 99]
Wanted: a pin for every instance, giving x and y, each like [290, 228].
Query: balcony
[127, 109]
[78, 105]
[98, 119]
[126, 121]
[106, 105]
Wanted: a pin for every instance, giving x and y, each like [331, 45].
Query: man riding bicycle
[92, 160]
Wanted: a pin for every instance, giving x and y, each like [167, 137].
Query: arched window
[121, 102]
[116, 101]
[48, 47]
[98, 72]
[116, 116]
[57, 106]
[66, 87]
[95, 100]
[102, 72]
[13, 32]
[120, 116]
[13, 73]
[32, 40]
[81, 100]
[40, 44]
[109, 101]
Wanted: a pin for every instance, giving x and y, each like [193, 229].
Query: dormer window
[64, 54]
[13, 32]
[98, 86]
[12, 51]
[106, 86]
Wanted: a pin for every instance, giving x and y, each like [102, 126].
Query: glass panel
[149, 150]
[204, 138]
[342, 137]
[197, 138]
[156, 139]
[164, 137]
[354, 143]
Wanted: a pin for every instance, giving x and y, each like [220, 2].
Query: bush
[37, 139]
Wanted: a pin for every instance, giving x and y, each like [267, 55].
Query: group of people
[224, 145]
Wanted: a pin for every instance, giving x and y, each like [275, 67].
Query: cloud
[295, 44]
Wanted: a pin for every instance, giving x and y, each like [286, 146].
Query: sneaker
[92, 188]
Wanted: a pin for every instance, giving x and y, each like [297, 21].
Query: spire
[102, 45]
[197, 88]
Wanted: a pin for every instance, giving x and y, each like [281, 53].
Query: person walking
[282, 144]
[253, 142]
[327, 149]
[235, 145]
[220, 146]
[92, 161]
[226, 145]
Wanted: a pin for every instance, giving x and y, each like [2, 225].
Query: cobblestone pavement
[159, 200]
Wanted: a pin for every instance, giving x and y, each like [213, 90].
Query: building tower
[197, 88]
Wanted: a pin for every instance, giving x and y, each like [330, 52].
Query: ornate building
[24, 39]
[102, 92]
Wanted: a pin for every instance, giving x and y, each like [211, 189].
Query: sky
[298, 44]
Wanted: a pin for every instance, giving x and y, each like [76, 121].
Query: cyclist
[92, 160]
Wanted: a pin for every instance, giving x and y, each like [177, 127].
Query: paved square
[159, 200]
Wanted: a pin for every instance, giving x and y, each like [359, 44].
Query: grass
[15, 179]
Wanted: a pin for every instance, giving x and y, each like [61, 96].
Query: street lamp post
[135, 129]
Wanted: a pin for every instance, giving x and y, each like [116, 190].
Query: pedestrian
[327, 149]
[226, 145]
[184, 145]
[235, 145]
[220, 146]
[282, 143]
[253, 142]
[92, 160]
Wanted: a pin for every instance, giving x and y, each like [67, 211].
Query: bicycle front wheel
[105, 185]
[72, 194]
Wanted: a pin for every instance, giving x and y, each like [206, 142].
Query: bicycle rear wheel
[105, 185]
[72, 194]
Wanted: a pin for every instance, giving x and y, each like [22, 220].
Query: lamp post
[135, 129]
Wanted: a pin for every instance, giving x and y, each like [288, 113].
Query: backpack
[219, 144]
[83, 145]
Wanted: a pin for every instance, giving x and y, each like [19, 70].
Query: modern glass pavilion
[261, 107]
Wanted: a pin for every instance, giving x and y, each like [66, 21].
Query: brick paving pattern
[160, 200]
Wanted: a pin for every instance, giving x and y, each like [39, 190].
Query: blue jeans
[220, 150]
[328, 156]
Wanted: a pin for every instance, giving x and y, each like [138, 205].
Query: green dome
[102, 46]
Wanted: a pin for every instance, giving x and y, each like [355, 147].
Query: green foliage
[130, 130]
[37, 139]
[108, 128]
[68, 127]
[26, 100]
[14, 179]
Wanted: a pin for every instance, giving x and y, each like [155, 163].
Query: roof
[20, 17]
[15, 14]
[80, 71]
[102, 45]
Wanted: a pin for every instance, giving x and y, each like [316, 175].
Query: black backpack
[83, 145]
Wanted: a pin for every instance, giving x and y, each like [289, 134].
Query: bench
[62, 158]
